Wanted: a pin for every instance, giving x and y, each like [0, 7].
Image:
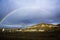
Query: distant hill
[58, 25]
[41, 27]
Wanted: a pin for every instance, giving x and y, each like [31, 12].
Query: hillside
[41, 28]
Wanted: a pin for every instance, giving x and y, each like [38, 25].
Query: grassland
[30, 35]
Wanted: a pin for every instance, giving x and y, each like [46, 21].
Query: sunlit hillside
[40, 28]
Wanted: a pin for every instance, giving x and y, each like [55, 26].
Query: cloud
[30, 11]
[55, 23]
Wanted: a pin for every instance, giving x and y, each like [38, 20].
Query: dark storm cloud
[48, 11]
[6, 6]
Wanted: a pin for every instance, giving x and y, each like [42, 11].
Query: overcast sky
[29, 11]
